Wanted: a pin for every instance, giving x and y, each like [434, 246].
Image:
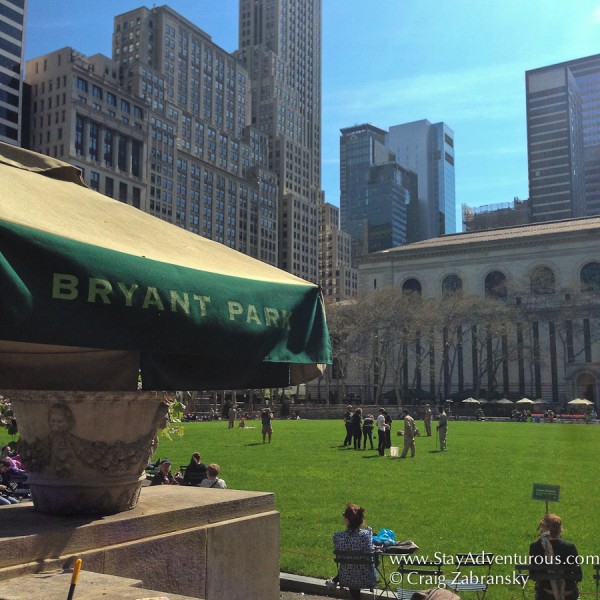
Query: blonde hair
[552, 524]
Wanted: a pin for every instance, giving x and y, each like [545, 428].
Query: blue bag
[385, 537]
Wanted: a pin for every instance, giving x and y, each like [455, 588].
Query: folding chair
[471, 582]
[425, 573]
[356, 559]
[547, 572]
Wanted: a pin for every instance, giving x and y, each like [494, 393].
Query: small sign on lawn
[546, 491]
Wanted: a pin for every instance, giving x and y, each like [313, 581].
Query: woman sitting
[354, 539]
[550, 549]
[212, 478]
[195, 472]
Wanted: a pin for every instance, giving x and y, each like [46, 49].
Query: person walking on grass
[267, 426]
[442, 429]
[410, 431]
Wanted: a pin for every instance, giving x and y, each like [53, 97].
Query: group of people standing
[359, 429]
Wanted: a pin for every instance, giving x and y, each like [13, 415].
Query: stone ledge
[90, 586]
[41, 537]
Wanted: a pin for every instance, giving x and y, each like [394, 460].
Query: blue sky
[388, 62]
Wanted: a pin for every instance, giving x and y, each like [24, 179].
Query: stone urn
[86, 452]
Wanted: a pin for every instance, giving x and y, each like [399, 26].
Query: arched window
[452, 284]
[542, 281]
[411, 286]
[590, 277]
[495, 285]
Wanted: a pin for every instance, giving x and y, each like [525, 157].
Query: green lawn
[474, 497]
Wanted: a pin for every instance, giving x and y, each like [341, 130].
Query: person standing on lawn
[381, 432]
[356, 427]
[427, 420]
[368, 424]
[267, 427]
[388, 429]
[410, 430]
[442, 429]
[348, 425]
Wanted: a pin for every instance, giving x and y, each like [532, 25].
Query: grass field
[474, 497]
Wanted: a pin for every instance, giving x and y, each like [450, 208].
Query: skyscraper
[163, 126]
[375, 191]
[428, 150]
[12, 32]
[280, 46]
[563, 139]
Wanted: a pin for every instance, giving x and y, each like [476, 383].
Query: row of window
[542, 282]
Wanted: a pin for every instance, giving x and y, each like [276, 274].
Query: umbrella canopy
[525, 401]
[503, 401]
[94, 290]
[470, 401]
[580, 402]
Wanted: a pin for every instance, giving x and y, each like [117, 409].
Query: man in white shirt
[381, 426]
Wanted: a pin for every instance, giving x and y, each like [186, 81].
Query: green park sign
[546, 492]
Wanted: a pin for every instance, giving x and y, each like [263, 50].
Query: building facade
[12, 36]
[563, 143]
[337, 278]
[378, 197]
[550, 272]
[280, 46]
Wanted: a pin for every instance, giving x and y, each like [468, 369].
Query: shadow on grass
[374, 456]
[255, 444]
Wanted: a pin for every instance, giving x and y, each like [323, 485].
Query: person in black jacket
[368, 424]
[550, 549]
[356, 427]
[195, 472]
[348, 425]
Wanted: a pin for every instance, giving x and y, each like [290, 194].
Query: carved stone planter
[86, 451]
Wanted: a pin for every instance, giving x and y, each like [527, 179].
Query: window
[138, 113]
[542, 281]
[97, 91]
[109, 187]
[124, 105]
[411, 286]
[82, 84]
[95, 181]
[495, 285]
[590, 277]
[122, 191]
[111, 99]
[451, 285]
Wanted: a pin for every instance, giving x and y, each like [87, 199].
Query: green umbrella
[95, 291]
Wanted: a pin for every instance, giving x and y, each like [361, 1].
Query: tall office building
[428, 150]
[379, 200]
[280, 46]
[12, 34]
[337, 278]
[162, 126]
[563, 139]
